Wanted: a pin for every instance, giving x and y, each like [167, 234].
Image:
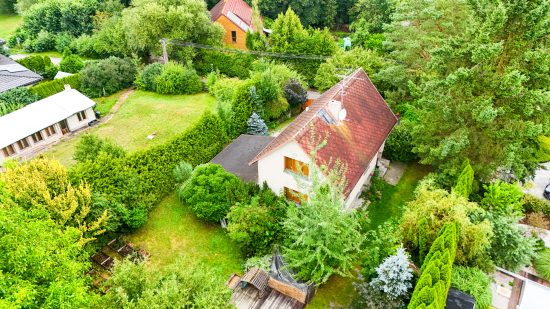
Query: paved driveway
[542, 179]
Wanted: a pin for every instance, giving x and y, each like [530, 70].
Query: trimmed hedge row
[38, 64]
[435, 281]
[197, 145]
[50, 88]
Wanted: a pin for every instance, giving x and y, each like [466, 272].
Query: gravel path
[542, 179]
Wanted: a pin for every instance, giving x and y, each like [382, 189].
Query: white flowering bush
[394, 275]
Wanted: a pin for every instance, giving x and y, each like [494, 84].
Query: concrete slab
[394, 173]
[501, 282]
[542, 179]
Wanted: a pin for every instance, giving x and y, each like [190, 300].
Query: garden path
[541, 180]
[121, 100]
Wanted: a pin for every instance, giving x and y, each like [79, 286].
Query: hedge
[197, 145]
[434, 283]
[50, 88]
[38, 64]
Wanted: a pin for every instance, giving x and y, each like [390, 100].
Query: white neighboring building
[37, 125]
[355, 137]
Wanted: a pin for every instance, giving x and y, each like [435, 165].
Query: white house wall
[271, 168]
[74, 124]
[33, 146]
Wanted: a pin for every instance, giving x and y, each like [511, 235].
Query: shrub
[399, 146]
[224, 88]
[373, 190]
[107, 76]
[473, 281]
[542, 263]
[51, 71]
[380, 244]
[5, 51]
[543, 151]
[394, 275]
[146, 78]
[295, 94]
[369, 297]
[178, 79]
[242, 107]
[44, 41]
[539, 221]
[440, 207]
[503, 197]
[17, 98]
[509, 248]
[205, 192]
[46, 89]
[256, 125]
[70, 63]
[182, 172]
[63, 41]
[230, 64]
[534, 204]
[90, 146]
[433, 285]
[37, 64]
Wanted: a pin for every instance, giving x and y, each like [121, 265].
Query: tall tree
[486, 97]
[375, 12]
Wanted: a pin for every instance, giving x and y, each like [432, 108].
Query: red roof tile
[237, 7]
[356, 140]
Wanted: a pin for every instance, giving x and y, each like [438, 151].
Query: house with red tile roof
[236, 18]
[354, 119]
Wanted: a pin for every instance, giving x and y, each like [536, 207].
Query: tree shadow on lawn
[172, 230]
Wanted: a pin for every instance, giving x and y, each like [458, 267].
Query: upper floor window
[8, 151]
[296, 167]
[50, 131]
[234, 36]
[295, 196]
[81, 116]
[23, 144]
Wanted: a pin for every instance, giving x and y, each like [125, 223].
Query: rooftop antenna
[346, 77]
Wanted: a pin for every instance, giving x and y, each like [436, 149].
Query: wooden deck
[249, 298]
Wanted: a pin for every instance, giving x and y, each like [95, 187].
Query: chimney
[67, 88]
[334, 107]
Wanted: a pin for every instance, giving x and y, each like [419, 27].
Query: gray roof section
[459, 300]
[235, 157]
[11, 78]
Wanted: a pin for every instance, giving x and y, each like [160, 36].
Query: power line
[165, 42]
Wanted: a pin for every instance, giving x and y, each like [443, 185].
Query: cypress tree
[422, 238]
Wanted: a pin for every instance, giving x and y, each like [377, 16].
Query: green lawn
[8, 23]
[143, 113]
[340, 290]
[172, 230]
[395, 197]
[105, 104]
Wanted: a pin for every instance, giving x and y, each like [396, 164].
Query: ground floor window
[81, 116]
[50, 131]
[37, 137]
[23, 144]
[295, 196]
[8, 151]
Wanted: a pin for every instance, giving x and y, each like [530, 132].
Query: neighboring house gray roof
[13, 75]
[235, 157]
[40, 115]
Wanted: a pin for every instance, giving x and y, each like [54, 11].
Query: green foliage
[362, 36]
[146, 79]
[224, 88]
[373, 191]
[90, 146]
[295, 93]
[474, 282]
[51, 71]
[439, 208]
[380, 244]
[15, 99]
[7, 6]
[182, 172]
[108, 39]
[63, 41]
[422, 238]
[242, 107]
[399, 146]
[178, 79]
[534, 204]
[323, 239]
[466, 112]
[36, 251]
[542, 154]
[230, 64]
[44, 41]
[46, 89]
[107, 76]
[186, 20]
[465, 180]
[542, 263]
[374, 13]
[256, 125]
[433, 285]
[358, 57]
[503, 197]
[37, 64]
[70, 63]
[184, 284]
[509, 248]
[256, 225]
[205, 192]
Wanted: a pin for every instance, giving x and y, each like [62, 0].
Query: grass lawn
[8, 23]
[105, 104]
[340, 290]
[395, 197]
[172, 230]
[143, 113]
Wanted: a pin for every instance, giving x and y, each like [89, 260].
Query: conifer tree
[422, 238]
[465, 180]
[256, 125]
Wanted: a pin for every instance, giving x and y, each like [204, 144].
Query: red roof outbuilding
[237, 7]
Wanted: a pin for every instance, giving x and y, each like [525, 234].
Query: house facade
[236, 18]
[355, 121]
[34, 127]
